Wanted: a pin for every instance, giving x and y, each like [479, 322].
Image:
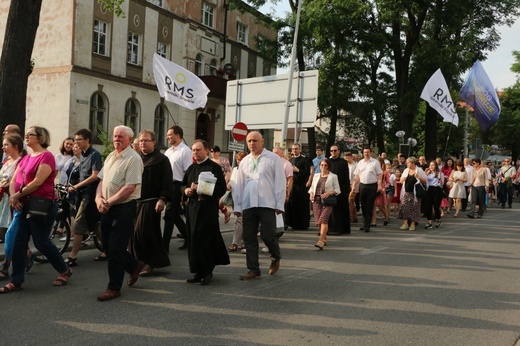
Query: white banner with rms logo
[178, 85]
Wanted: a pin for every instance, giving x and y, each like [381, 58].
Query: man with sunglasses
[479, 184]
[506, 176]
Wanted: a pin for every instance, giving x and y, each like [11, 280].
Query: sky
[497, 66]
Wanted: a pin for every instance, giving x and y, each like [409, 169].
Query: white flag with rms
[437, 94]
[178, 85]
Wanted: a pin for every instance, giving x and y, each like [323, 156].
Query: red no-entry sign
[239, 131]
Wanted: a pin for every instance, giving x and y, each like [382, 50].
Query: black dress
[297, 209]
[206, 248]
[147, 236]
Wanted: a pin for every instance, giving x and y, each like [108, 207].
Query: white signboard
[260, 102]
[235, 146]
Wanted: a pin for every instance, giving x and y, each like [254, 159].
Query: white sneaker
[243, 251]
[264, 250]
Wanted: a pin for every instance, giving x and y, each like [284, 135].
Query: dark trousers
[173, 216]
[367, 197]
[340, 214]
[505, 194]
[432, 202]
[478, 196]
[116, 228]
[252, 218]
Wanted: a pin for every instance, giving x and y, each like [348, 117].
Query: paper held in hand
[206, 184]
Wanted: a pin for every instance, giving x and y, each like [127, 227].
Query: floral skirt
[322, 213]
[410, 208]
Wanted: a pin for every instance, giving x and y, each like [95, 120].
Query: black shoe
[279, 235]
[367, 230]
[510, 206]
[479, 216]
[470, 216]
[361, 228]
[503, 206]
[385, 223]
[196, 279]
[439, 224]
[428, 226]
[184, 246]
[206, 279]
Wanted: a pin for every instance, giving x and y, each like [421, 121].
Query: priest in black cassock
[297, 209]
[339, 222]
[156, 190]
[206, 248]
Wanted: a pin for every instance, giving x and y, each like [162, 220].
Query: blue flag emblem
[479, 93]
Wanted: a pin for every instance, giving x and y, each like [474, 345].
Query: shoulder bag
[331, 200]
[420, 189]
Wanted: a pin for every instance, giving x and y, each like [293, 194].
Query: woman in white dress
[457, 179]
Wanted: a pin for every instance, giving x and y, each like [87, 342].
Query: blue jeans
[116, 228]
[40, 235]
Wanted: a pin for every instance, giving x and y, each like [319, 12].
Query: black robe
[340, 220]
[297, 210]
[206, 248]
[147, 236]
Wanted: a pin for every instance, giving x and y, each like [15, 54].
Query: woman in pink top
[34, 177]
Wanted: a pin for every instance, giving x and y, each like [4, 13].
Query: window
[199, 65]
[213, 67]
[132, 111]
[134, 49]
[98, 115]
[156, 2]
[207, 15]
[162, 49]
[100, 39]
[159, 124]
[241, 33]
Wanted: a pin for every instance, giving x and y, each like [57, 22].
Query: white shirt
[180, 158]
[468, 170]
[261, 182]
[351, 169]
[368, 171]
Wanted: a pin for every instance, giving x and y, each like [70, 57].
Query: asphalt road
[457, 285]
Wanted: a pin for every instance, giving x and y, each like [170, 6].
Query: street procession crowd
[123, 198]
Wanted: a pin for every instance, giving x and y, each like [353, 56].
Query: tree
[505, 129]
[15, 63]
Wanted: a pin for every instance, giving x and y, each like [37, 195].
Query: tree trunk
[15, 63]
[430, 134]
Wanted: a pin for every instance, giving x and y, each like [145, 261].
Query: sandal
[404, 227]
[10, 287]
[63, 278]
[30, 260]
[71, 261]
[227, 217]
[101, 257]
[319, 245]
[146, 272]
[233, 247]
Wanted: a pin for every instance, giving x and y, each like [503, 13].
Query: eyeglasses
[212, 151]
[31, 134]
[333, 150]
[79, 139]
[145, 140]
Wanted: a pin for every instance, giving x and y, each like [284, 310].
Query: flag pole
[447, 140]
[466, 153]
[291, 72]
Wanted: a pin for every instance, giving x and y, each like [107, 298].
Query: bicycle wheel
[61, 241]
[98, 244]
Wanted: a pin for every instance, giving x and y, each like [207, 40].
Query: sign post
[239, 133]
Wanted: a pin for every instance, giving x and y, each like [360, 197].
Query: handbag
[419, 189]
[331, 200]
[39, 208]
[227, 199]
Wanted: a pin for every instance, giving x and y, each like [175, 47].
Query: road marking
[375, 249]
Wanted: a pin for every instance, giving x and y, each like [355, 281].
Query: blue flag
[479, 93]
